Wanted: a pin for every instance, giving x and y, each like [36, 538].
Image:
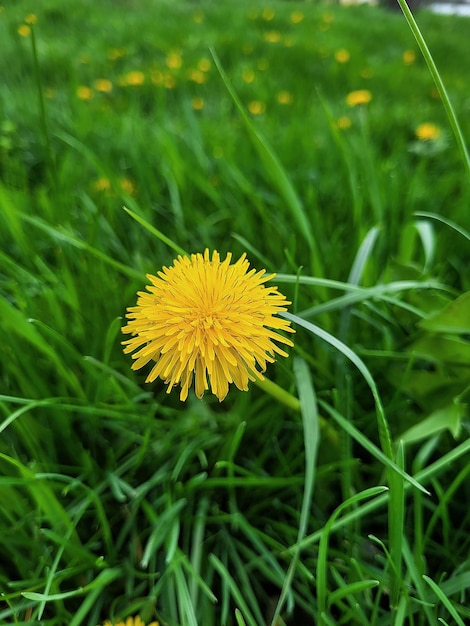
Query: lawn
[316, 139]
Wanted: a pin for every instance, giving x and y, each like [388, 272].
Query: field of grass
[314, 138]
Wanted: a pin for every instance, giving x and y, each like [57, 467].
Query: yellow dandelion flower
[409, 57]
[84, 93]
[255, 107]
[361, 96]
[204, 64]
[174, 60]
[285, 97]
[127, 186]
[273, 36]
[342, 56]
[208, 319]
[197, 76]
[296, 17]
[24, 30]
[169, 81]
[31, 18]
[248, 76]
[133, 79]
[197, 104]
[343, 122]
[268, 14]
[427, 131]
[116, 53]
[102, 184]
[103, 84]
[130, 621]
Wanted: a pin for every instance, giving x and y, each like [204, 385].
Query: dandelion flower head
[207, 319]
[361, 96]
[427, 131]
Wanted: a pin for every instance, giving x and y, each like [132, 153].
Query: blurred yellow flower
[296, 17]
[263, 64]
[342, 55]
[343, 122]
[31, 18]
[103, 84]
[84, 93]
[197, 104]
[427, 131]
[367, 72]
[255, 107]
[102, 184]
[285, 97]
[169, 81]
[24, 30]
[198, 17]
[409, 57]
[127, 186]
[116, 53]
[207, 319]
[268, 14]
[273, 36]
[361, 96]
[134, 79]
[204, 65]
[248, 76]
[174, 60]
[197, 76]
[130, 621]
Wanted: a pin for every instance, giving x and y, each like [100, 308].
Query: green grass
[336, 493]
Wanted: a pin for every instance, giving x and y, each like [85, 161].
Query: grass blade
[309, 412]
[451, 116]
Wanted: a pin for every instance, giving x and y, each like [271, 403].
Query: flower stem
[279, 393]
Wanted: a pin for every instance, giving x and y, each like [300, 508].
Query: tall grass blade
[309, 412]
[157, 233]
[451, 116]
[445, 600]
[322, 559]
[273, 166]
